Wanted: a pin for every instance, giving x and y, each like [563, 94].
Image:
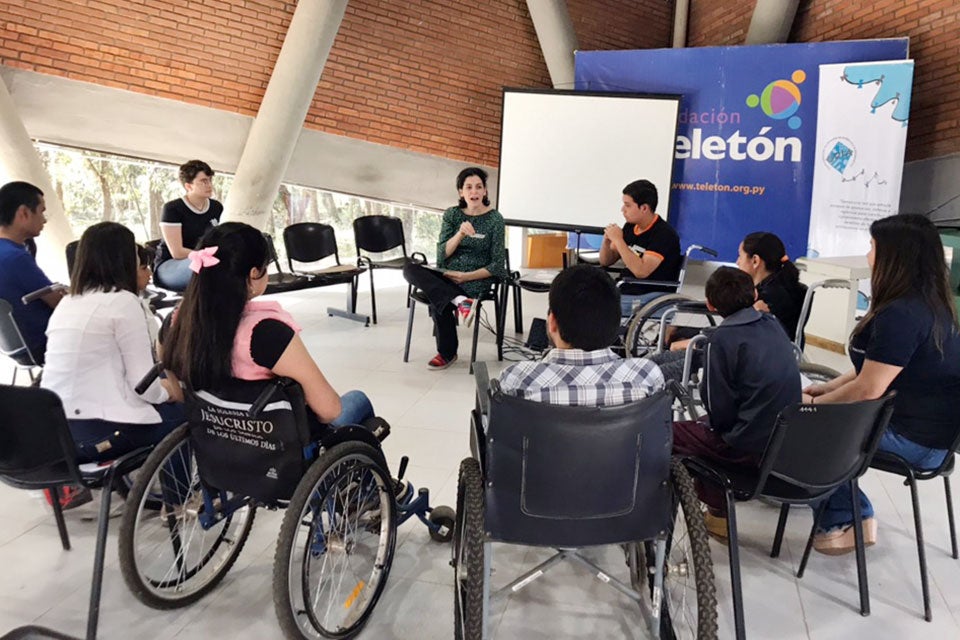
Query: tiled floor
[429, 413]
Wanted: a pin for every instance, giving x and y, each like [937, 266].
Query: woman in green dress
[470, 254]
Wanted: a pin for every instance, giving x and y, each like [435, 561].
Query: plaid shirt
[587, 378]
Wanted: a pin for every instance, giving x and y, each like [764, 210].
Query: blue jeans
[100, 440]
[355, 407]
[838, 512]
[173, 274]
[627, 302]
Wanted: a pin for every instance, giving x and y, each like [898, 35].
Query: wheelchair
[641, 328]
[246, 447]
[569, 477]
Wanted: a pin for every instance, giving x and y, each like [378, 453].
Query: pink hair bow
[203, 258]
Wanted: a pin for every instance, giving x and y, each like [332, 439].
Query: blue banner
[746, 143]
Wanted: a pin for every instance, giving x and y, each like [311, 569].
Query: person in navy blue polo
[22, 219]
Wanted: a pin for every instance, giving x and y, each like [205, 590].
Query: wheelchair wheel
[818, 373]
[172, 552]
[643, 328]
[689, 604]
[336, 544]
[468, 554]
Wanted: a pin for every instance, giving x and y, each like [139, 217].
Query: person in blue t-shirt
[908, 342]
[22, 219]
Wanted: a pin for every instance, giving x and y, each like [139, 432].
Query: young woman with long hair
[99, 348]
[470, 252]
[220, 332]
[779, 290]
[909, 341]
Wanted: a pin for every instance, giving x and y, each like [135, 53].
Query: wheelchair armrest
[699, 307]
[648, 283]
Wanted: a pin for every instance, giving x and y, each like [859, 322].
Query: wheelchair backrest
[577, 476]
[260, 455]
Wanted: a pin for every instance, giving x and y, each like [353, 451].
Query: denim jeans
[355, 407]
[627, 302]
[838, 512]
[173, 274]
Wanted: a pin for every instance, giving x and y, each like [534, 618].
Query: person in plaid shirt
[582, 323]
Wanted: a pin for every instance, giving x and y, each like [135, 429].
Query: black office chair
[13, 345]
[569, 477]
[37, 452]
[892, 463]
[799, 468]
[496, 293]
[378, 234]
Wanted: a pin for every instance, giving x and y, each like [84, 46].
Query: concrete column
[771, 21]
[681, 15]
[280, 119]
[558, 41]
[19, 160]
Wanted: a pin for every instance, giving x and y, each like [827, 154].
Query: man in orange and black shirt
[647, 245]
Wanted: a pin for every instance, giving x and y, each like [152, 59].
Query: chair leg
[924, 582]
[734, 550]
[781, 525]
[517, 310]
[500, 307]
[54, 495]
[103, 525]
[476, 335]
[373, 298]
[950, 521]
[409, 292]
[817, 514]
[859, 548]
[406, 347]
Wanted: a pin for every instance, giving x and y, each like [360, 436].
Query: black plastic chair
[814, 448]
[565, 477]
[378, 234]
[37, 452]
[892, 463]
[13, 345]
[312, 242]
[497, 293]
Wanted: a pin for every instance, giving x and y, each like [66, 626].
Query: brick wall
[933, 27]
[934, 30]
[424, 75]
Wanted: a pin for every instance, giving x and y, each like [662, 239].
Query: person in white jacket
[98, 349]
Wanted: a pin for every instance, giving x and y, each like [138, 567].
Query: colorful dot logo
[780, 99]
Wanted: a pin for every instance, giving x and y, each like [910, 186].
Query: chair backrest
[36, 449]
[12, 343]
[71, 252]
[254, 453]
[376, 234]
[820, 446]
[309, 242]
[576, 476]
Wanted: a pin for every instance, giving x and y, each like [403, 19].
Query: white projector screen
[565, 156]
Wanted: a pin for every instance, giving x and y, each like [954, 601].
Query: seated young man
[647, 245]
[583, 321]
[750, 375]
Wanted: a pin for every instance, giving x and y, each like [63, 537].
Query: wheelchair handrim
[182, 548]
[353, 549]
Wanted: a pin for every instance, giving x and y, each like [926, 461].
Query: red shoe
[439, 362]
[70, 496]
[467, 310]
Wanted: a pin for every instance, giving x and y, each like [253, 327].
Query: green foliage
[95, 187]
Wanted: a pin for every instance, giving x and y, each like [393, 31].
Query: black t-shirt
[927, 406]
[192, 224]
[269, 340]
[784, 299]
[658, 239]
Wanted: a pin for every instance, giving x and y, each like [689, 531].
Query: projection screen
[565, 156]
